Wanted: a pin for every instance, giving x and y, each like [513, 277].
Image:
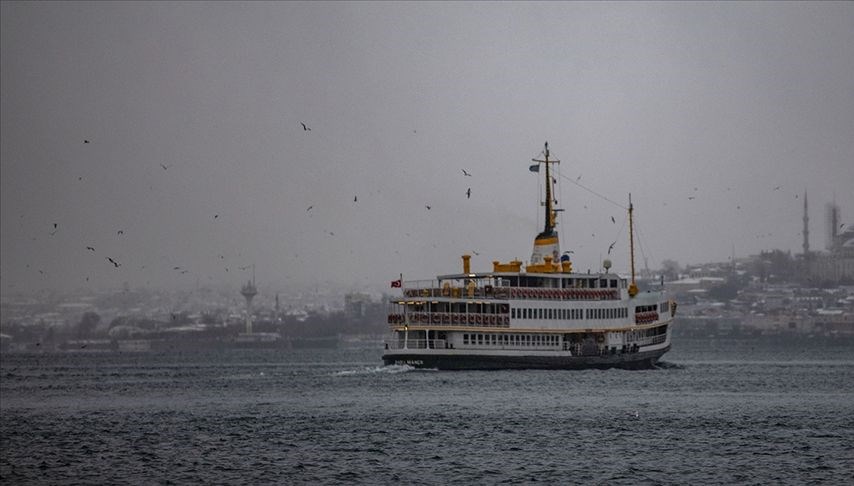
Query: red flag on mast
[396, 283]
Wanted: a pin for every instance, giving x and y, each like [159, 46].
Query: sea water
[724, 412]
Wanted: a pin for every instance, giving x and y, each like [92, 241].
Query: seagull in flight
[120, 232]
[691, 198]
[468, 193]
[115, 263]
[86, 141]
[428, 207]
[309, 208]
[466, 173]
[164, 166]
[305, 128]
[613, 220]
[611, 247]
[90, 248]
[356, 198]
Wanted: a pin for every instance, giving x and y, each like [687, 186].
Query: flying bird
[691, 198]
[115, 263]
[309, 208]
[611, 247]
[90, 248]
[577, 178]
[244, 268]
[305, 128]
[468, 193]
[176, 268]
[476, 253]
[355, 198]
[120, 232]
[613, 220]
[777, 188]
[428, 207]
[85, 141]
[164, 166]
[465, 173]
[216, 216]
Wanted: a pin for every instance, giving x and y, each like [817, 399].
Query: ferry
[544, 316]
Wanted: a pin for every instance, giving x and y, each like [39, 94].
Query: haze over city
[165, 144]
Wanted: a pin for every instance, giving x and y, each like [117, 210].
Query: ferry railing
[651, 340]
[450, 319]
[417, 344]
[417, 290]
[646, 317]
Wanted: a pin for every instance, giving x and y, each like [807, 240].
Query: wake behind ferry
[544, 316]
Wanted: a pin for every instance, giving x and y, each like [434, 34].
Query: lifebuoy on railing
[477, 318]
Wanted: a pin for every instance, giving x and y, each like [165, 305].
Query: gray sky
[734, 99]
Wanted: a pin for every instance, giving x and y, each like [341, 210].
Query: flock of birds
[468, 194]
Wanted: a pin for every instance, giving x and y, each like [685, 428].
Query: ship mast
[633, 287]
[548, 230]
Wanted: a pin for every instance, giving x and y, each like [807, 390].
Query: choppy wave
[374, 370]
[722, 418]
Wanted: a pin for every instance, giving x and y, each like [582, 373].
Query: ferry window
[480, 339]
[465, 338]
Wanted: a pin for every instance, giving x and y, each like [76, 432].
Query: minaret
[806, 227]
[249, 292]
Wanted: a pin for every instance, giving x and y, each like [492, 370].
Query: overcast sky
[656, 99]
